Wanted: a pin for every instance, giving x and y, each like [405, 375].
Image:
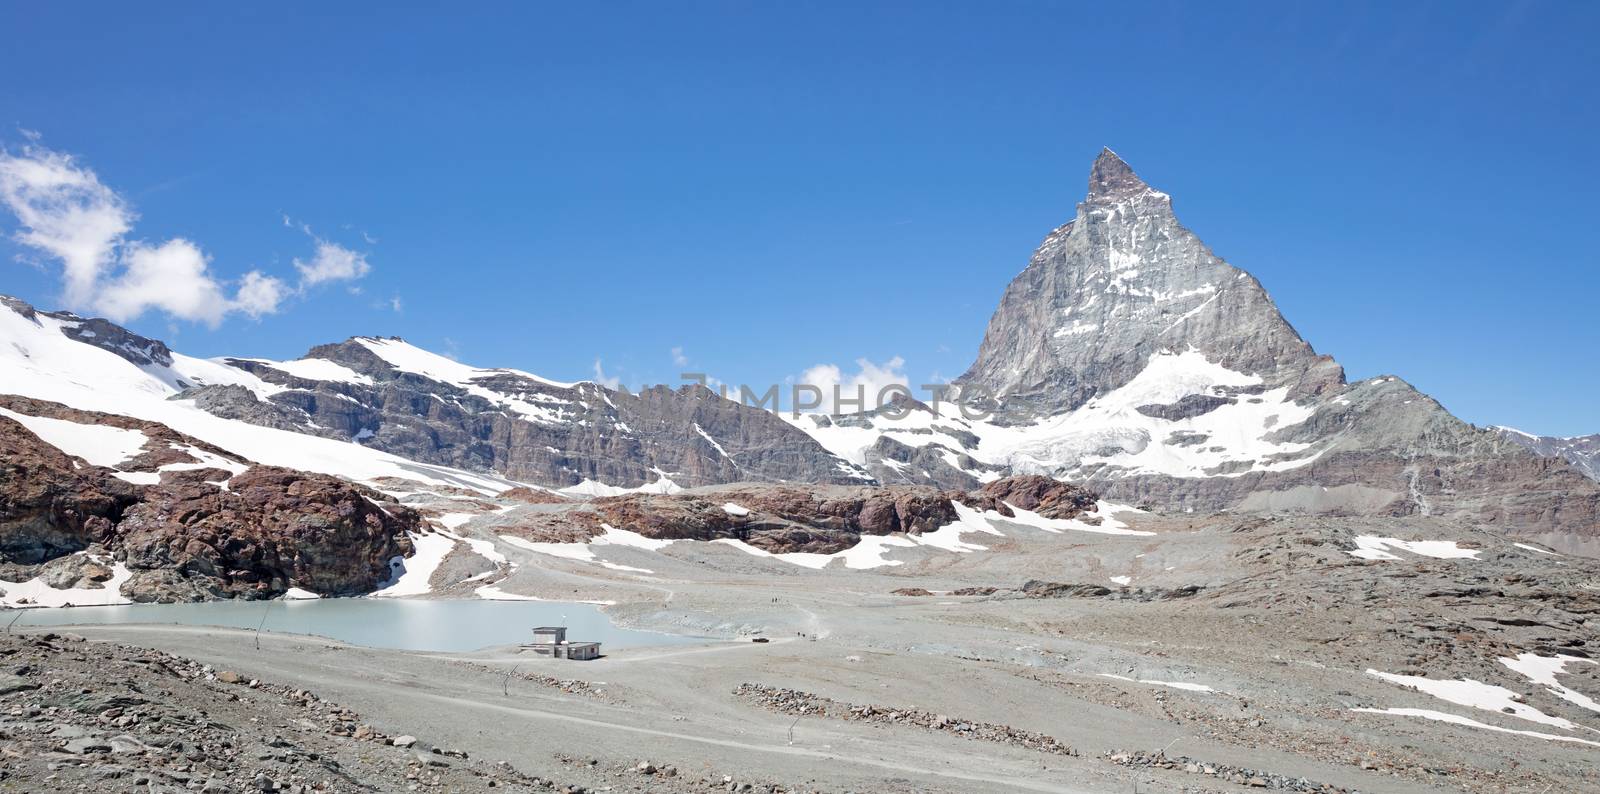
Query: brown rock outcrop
[48, 506]
[274, 528]
[1035, 493]
[818, 519]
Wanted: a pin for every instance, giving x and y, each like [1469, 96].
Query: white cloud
[608, 381]
[65, 212]
[396, 304]
[332, 262]
[869, 380]
[679, 358]
[260, 294]
[171, 277]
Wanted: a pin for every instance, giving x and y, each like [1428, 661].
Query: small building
[552, 641]
[550, 635]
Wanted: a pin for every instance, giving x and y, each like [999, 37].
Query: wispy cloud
[332, 262]
[867, 381]
[608, 381]
[65, 213]
[678, 357]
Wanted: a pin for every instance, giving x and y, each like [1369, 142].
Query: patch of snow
[1122, 580]
[410, 575]
[139, 477]
[410, 358]
[297, 594]
[869, 550]
[1108, 525]
[320, 369]
[1372, 547]
[453, 520]
[711, 441]
[1523, 433]
[623, 537]
[492, 593]
[1526, 547]
[544, 409]
[1169, 684]
[803, 559]
[1441, 716]
[1475, 694]
[735, 510]
[39, 594]
[594, 488]
[948, 537]
[580, 552]
[100, 445]
[1544, 669]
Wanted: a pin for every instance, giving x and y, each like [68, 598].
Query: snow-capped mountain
[369, 408]
[1129, 357]
[93, 365]
[1583, 452]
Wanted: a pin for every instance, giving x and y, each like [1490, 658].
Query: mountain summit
[1119, 283]
[1112, 177]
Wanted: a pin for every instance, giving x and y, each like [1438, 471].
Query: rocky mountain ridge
[390, 395]
[1583, 452]
[1128, 357]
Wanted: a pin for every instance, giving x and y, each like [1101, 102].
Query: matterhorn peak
[1112, 178]
[1122, 283]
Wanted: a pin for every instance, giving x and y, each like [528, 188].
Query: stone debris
[790, 701]
[1241, 776]
[81, 716]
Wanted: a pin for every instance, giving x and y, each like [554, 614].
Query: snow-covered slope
[389, 394]
[38, 359]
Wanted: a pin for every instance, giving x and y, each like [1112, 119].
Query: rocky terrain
[83, 716]
[180, 519]
[1172, 652]
[1583, 452]
[797, 519]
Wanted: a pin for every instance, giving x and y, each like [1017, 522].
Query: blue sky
[772, 187]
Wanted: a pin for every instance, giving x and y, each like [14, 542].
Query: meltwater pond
[376, 622]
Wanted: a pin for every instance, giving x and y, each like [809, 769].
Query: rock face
[272, 527]
[48, 506]
[101, 333]
[1120, 282]
[1583, 452]
[790, 518]
[387, 394]
[195, 533]
[1048, 497]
